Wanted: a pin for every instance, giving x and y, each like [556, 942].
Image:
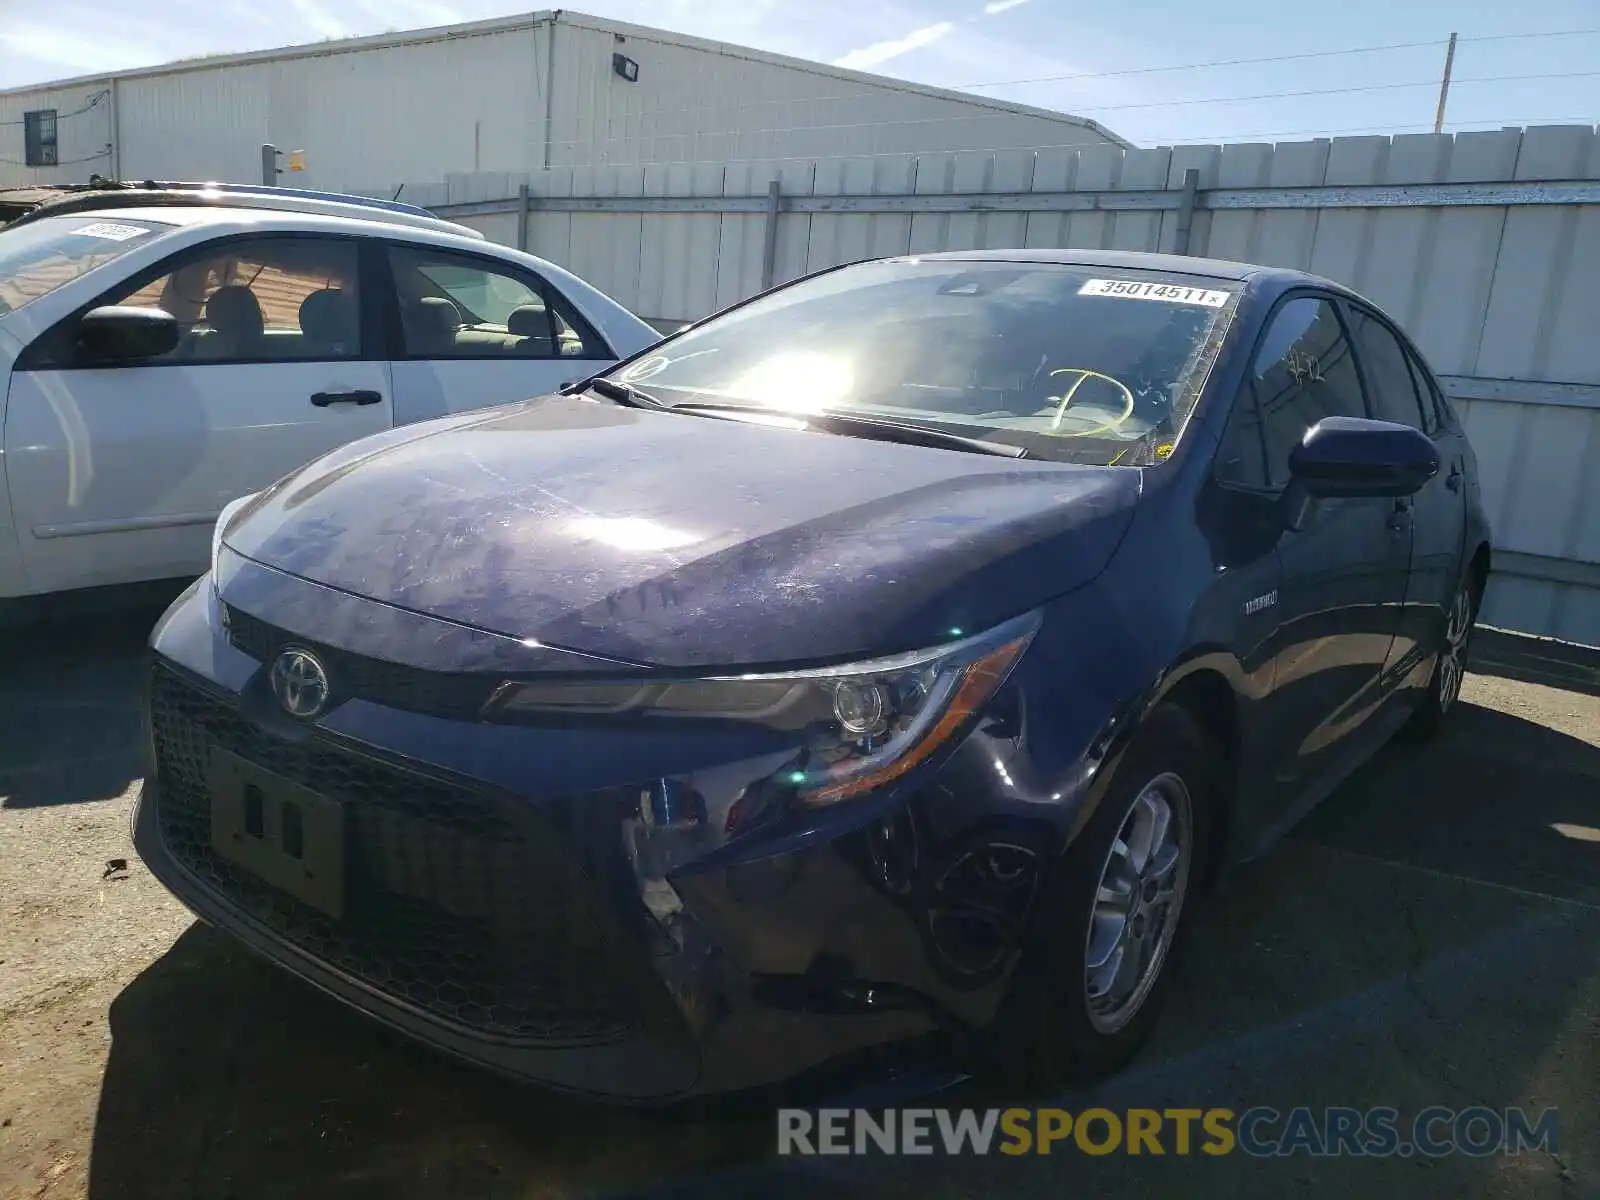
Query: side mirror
[1354, 456]
[127, 334]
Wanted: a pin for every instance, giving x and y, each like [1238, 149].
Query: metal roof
[829, 71]
[470, 29]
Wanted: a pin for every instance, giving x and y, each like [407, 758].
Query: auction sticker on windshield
[111, 231]
[1134, 289]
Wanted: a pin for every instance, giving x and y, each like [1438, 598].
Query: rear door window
[1435, 408]
[1391, 386]
[459, 306]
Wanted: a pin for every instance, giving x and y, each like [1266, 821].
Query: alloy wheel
[1453, 658]
[1137, 903]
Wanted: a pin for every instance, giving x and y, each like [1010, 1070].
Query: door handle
[1453, 480]
[1400, 515]
[360, 396]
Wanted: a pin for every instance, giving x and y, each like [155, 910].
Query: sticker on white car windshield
[111, 231]
[1134, 289]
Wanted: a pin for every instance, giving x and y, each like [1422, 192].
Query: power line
[1344, 91]
[77, 112]
[1220, 62]
[743, 106]
[65, 162]
[1274, 58]
[1513, 37]
[858, 96]
[702, 132]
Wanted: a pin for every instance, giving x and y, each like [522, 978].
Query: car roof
[1138, 260]
[148, 202]
[291, 220]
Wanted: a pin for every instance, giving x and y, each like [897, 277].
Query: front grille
[463, 903]
[392, 684]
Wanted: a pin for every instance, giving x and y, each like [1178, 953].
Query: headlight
[858, 726]
[227, 514]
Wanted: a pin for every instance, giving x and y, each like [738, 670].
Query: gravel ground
[1427, 937]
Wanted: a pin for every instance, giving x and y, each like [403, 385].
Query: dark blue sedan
[899, 652]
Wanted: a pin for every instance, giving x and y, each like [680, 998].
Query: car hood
[684, 541]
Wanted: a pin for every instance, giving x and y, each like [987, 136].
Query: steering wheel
[1084, 373]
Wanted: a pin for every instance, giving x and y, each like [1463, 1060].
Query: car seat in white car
[327, 324]
[237, 327]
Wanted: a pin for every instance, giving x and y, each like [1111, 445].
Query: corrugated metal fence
[1485, 245]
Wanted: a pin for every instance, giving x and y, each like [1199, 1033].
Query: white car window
[259, 299]
[459, 306]
[38, 257]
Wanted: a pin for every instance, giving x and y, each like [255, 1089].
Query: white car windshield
[1078, 363]
[38, 257]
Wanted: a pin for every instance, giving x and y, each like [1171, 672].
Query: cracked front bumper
[499, 908]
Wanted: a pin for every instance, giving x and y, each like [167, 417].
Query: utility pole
[1444, 84]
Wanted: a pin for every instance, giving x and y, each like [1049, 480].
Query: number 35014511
[1170, 293]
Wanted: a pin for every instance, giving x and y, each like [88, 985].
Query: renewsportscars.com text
[1259, 1131]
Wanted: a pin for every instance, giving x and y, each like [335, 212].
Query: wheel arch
[1478, 567]
[1209, 689]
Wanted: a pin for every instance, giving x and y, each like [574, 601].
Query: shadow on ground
[1497, 799]
[69, 718]
[228, 1077]
[1364, 962]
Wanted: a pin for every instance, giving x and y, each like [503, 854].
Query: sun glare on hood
[631, 533]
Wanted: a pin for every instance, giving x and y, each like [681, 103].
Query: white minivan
[158, 360]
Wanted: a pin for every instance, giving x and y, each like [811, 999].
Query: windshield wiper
[622, 393]
[876, 428]
[846, 424]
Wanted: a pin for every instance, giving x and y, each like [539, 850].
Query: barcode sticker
[111, 231]
[1172, 293]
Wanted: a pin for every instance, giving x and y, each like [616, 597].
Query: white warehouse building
[514, 94]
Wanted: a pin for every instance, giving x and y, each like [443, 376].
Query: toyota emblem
[300, 683]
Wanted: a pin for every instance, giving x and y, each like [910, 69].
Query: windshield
[39, 257]
[1081, 364]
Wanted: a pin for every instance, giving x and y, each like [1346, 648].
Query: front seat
[328, 324]
[237, 327]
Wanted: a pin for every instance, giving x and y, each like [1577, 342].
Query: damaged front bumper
[530, 900]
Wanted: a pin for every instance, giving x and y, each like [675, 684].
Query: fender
[13, 577]
[1218, 668]
[1198, 629]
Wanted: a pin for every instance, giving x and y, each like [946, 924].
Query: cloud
[67, 47]
[408, 14]
[882, 52]
[878, 53]
[318, 20]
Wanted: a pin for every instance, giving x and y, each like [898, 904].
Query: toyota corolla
[898, 652]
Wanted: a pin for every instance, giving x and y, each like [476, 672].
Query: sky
[1138, 67]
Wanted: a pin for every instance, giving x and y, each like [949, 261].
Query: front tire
[1096, 971]
[1444, 688]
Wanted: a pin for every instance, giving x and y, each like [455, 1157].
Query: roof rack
[40, 202]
